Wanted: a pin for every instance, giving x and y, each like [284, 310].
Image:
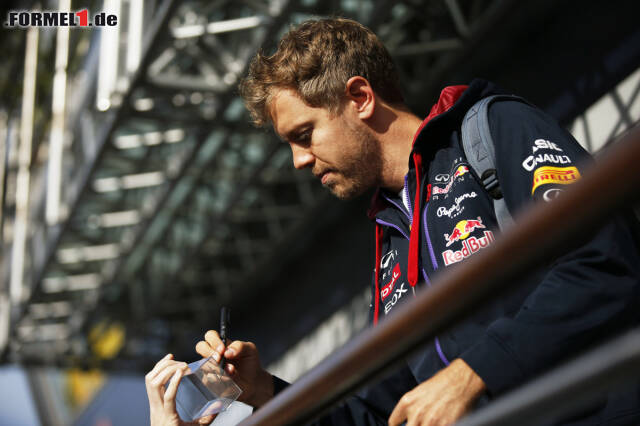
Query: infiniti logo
[387, 258]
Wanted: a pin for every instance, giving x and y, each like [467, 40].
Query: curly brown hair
[316, 59]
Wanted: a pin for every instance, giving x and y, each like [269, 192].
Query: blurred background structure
[136, 199]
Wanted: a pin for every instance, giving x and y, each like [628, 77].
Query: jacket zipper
[399, 207]
[382, 222]
[434, 262]
[405, 196]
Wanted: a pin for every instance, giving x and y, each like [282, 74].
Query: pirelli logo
[560, 175]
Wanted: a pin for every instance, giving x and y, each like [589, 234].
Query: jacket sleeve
[584, 294]
[371, 406]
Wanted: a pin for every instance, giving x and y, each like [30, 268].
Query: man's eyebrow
[295, 131]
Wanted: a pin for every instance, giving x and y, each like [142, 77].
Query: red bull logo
[469, 246]
[460, 170]
[463, 229]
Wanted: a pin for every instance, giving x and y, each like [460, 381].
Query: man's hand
[441, 400]
[162, 403]
[243, 365]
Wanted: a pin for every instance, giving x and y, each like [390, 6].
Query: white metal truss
[610, 116]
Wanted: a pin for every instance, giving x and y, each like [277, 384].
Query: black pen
[224, 330]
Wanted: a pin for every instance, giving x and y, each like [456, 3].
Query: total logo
[463, 229]
[388, 288]
[396, 296]
[469, 246]
[459, 171]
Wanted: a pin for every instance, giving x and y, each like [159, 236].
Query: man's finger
[170, 393]
[237, 349]
[399, 414]
[158, 367]
[165, 374]
[154, 393]
[206, 420]
[205, 350]
[213, 339]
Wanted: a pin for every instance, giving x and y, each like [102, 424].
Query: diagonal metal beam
[113, 117]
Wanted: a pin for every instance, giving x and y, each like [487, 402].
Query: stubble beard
[360, 171]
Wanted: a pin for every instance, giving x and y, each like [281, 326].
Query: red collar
[448, 97]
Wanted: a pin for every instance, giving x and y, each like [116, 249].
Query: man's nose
[302, 157]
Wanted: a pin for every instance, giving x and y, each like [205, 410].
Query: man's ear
[361, 95]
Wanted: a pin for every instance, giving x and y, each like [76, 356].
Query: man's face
[340, 149]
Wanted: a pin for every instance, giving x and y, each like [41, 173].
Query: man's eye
[304, 136]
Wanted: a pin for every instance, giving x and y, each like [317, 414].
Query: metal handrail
[567, 388]
[541, 233]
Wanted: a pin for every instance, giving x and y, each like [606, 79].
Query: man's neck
[396, 141]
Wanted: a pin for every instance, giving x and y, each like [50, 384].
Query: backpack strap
[479, 149]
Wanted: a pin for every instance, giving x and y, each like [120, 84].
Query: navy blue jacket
[551, 315]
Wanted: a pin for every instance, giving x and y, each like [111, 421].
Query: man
[332, 93]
